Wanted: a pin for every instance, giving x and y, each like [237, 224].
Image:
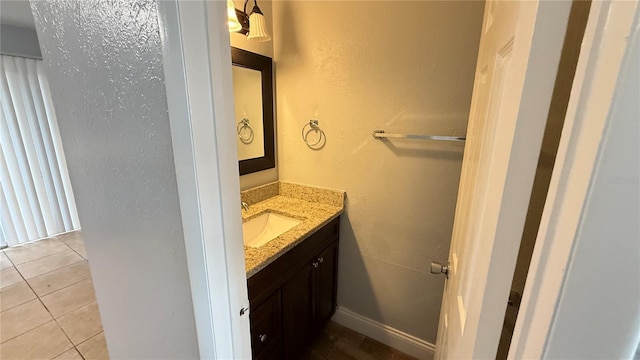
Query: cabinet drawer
[266, 328]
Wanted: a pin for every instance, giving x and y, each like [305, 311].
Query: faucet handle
[245, 206]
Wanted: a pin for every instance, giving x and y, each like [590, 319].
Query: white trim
[198, 83]
[602, 53]
[387, 335]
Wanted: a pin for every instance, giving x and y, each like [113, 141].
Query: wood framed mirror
[253, 94]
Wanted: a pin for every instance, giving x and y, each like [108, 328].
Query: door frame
[473, 307]
[205, 155]
[604, 46]
[197, 51]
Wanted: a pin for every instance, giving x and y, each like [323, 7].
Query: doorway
[564, 80]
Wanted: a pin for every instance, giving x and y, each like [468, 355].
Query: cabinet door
[326, 283]
[297, 311]
[266, 329]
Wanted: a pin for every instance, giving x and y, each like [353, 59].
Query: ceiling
[17, 13]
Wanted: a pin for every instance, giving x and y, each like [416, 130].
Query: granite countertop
[313, 214]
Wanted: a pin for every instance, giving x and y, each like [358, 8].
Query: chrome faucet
[245, 206]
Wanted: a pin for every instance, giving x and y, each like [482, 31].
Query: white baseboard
[387, 335]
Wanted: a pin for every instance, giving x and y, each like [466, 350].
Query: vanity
[292, 279]
[290, 230]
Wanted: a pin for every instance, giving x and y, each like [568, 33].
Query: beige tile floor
[48, 307]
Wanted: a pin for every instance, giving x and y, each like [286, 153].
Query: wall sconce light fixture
[254, 25]
[232, 19]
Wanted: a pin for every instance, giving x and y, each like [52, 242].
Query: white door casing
[197, 70]
[517, 65]
[611, 29]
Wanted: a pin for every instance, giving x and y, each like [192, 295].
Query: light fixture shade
[232, 19]
[258, 27]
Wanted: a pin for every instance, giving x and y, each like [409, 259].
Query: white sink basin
[266, 227]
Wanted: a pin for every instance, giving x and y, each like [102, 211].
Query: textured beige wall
[398, 66]
[263, 48]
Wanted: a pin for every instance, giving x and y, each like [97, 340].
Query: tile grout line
[23, 279]
[56, 236]
[71, 310]
[35, 293]
[73, 346]
[39, 298]
[84, 341]
[48, 272]
[79, 352]
[64, 287]
[76, 251]
[42, 257]
[43, 305]
[72, 248]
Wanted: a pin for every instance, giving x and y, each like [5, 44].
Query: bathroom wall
[107, 82]
[405, 67]
[263, 48]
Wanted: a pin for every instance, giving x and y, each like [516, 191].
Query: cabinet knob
[315, 264]
[321, 259]
[263, 337]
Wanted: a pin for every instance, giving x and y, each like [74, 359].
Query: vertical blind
[35, 194]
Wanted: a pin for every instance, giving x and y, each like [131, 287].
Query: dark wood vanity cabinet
[266, 328]
[293, 297]
[325, 283]
[297, 315]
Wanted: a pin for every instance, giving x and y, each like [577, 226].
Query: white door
[517, 64]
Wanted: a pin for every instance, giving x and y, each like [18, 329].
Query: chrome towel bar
[380, 134]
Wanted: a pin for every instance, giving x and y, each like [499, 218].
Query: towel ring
[242, 125]
[314, 127]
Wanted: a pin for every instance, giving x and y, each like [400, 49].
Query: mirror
[253, 93]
